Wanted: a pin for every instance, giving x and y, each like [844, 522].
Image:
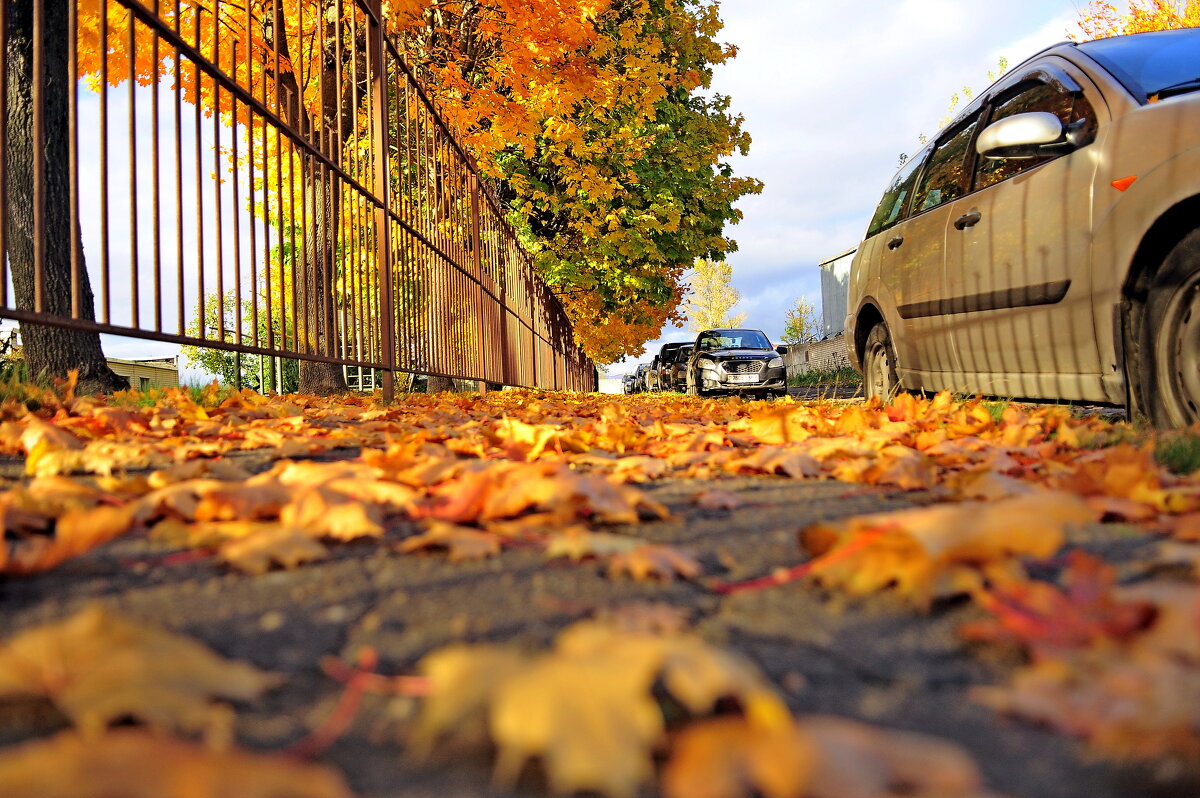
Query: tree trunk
[48, 351]
[316, 312]
[440, 384]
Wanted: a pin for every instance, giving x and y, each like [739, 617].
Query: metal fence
[265, 177]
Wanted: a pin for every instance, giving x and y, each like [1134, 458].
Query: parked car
[640, 378]
[650, 379]
[666, 359]
[736, 361]
[629, 383]
[1047, 243]
[677, 369]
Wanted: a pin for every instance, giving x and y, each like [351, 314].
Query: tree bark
[48, 351]
[440, 384]
[315, 312]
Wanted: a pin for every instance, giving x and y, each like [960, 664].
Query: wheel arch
[1167, 231]
[865, 320]
[1163, 236]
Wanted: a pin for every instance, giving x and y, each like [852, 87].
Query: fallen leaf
[588, 708]
[854, 760]
[713, 499]
[942, 550]
[127, 763]
[1039, 616]
[98, 668]
[734, 758]
[653, 560]
[271, 544]
[461, 543]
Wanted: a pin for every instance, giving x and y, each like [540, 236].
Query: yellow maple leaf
[98, 668]
[941, 550]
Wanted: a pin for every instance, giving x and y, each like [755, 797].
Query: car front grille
[744, 367]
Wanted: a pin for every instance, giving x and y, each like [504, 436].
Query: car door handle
[895, 242]
[967, 220]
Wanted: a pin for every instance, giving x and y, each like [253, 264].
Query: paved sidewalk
[875, 660]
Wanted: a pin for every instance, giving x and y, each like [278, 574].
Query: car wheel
[1171, 336]
[879, 364]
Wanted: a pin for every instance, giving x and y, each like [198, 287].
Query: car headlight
[705, 363]
[775, 363]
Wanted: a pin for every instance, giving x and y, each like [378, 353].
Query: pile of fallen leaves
[257, 483]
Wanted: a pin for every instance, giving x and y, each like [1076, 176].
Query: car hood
[740, 354]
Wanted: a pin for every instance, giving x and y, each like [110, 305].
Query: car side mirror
[781, 349]
[1024, 136]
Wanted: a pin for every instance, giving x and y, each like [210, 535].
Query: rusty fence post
[379, 145]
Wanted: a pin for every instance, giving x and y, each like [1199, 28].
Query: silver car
[1046, 244]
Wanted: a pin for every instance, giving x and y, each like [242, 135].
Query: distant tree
[801, 323]
[257, 372]
[713, 296]
[1100, 20]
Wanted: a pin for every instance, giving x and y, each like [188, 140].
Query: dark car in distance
[736, 361]
[665, 361]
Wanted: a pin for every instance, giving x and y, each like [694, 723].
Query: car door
[1017, 266]
[914, 259]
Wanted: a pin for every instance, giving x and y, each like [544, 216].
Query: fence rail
[263, 177]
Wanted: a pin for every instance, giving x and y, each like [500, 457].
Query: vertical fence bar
[131, 79]
[379, 140]
[202, 322]
[72, 156]
[39, 158]
[155, 191]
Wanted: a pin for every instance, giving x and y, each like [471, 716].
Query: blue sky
[832, 98]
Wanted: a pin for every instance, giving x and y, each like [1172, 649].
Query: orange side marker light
[1123, 183]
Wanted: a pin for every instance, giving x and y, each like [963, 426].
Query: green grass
[840, 376]
[996, 408]
[207, 396]
[1180, 452]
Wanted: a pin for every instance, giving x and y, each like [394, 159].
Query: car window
[947, 176]
[734, 339]
[1024, 98]
[895, 199]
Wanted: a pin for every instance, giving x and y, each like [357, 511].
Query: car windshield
[1154, 64]
[734, 339]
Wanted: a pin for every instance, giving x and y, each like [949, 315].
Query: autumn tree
[48, 350]
[713, 296]
[1100, 19]
[597, 126]
[801, 323]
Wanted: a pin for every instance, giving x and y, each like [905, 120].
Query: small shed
[162, 372]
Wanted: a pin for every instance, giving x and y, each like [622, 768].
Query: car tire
[879, 365]
[1170, 376]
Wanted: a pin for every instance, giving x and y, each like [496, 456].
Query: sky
[832, 98]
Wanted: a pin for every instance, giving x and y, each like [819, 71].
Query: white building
[835, 287]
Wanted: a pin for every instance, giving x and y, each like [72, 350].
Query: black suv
[666, 359]
[736, 361]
